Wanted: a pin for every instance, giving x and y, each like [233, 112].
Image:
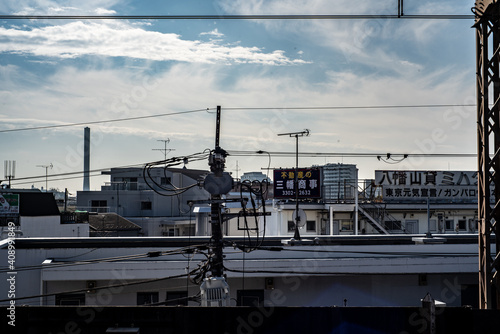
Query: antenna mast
[165, 150]
[9, 170]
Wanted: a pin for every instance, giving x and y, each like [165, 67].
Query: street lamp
[306, 133]
[46, 174]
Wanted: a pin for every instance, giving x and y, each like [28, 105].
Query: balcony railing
[98, 209]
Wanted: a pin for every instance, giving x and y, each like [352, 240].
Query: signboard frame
[9, 203]
[309, 183]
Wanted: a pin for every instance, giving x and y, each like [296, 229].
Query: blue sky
[61, 71]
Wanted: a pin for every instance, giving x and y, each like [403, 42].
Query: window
[175, 298]
[172, 232]
[250, 298]
[462, 224]
[98, 203]
[449, 224]
[146, 205]
[347, 225]
[411, 226]
[147, 298]
[69, 299]
[311, 226]
[291, 226]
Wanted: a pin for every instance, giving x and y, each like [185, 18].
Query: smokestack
[86, 159]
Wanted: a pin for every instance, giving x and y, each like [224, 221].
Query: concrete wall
[368, 275]
[48, 226]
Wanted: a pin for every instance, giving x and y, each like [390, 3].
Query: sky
[269, 77]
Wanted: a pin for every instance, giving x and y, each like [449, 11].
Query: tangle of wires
[168, 188]
[258, 192]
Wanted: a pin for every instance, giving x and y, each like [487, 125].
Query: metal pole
[296, 235]
[217, 168]
[488, 138]
[428, 218]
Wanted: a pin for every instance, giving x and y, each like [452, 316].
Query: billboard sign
[9, 203]
[309, 183]
[450, 186]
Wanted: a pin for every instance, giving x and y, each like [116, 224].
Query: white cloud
[130, 92]
[110, 94]
[54, 7]
[214, 33]
[103, 11]
[118, 39]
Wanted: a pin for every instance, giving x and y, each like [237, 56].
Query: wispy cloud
[118, 39]
[376, 44]
[56, 7]
[103, 11]
[214, 33]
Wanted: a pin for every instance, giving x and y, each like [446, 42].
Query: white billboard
[451, 186]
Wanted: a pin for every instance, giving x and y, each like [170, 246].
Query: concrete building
[393, 202]
[147, 200]
[349, 255]
[340, 182]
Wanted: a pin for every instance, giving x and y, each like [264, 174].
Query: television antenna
[164, 150]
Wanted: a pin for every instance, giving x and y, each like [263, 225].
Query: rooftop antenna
[46, 174]
[297, 216]
[9, 170]
[165, 150]
[237, 169]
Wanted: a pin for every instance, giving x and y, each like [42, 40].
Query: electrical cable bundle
[169, 189]
[258, 190]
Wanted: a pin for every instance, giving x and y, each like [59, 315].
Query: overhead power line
[352, 154]
[104, 121]
[244, 17]
[242, 108]
[99, 288]
[354, 107]
[79, 174]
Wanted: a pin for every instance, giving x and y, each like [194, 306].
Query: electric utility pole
[214, 289]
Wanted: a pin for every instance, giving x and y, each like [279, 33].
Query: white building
[31, 213]
[360, 252]
[352, 271]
